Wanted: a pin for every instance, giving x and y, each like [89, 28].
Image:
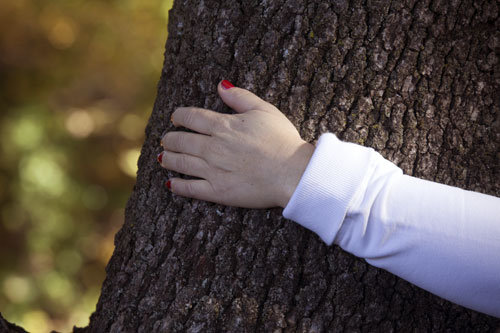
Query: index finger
[197, 119]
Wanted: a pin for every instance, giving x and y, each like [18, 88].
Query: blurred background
[77, 84]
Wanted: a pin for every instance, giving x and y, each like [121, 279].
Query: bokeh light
[77, 84]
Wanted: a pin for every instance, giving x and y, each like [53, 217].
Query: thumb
[242, 100]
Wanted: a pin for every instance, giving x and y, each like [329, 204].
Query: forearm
[441, 238]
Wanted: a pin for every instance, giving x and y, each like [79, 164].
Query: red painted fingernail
[160, 157]
[226, 84]
[168, 184]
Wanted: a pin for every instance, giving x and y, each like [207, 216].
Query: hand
[252, 159]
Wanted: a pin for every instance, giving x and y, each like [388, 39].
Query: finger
[192, 188]
[184, 142]
[197, 119]
[242, 100]
[186, 164]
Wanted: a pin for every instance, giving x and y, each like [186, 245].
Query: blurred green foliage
[77, 84]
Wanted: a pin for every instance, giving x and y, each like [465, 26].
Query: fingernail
[226, 84]
[160, 157]
[168, 184]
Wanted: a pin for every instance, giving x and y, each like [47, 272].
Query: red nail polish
[226, 84]
[160, 157]
[168, 184]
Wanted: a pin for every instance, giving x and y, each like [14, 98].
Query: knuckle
[188, 118]
[218, 188]
[181, 163]
[189, 189]
[220, 124]
[216, 149]
[178, 141]
[236, 123]
[166, 140]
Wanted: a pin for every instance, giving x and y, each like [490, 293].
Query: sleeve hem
[329, 183]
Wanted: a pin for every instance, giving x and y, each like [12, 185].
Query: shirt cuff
[329, 184]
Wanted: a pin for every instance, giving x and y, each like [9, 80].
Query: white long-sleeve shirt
[441, 238]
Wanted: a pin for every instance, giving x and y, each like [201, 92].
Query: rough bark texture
[417, 81]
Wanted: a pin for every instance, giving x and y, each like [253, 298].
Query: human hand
[251, 159]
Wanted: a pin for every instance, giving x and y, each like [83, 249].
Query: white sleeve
[440, 238]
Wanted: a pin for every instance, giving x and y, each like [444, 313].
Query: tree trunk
[417, 81]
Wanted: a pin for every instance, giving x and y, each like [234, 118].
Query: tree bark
[416, 80]
[5, 326]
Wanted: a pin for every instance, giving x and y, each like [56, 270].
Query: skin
[251, 159]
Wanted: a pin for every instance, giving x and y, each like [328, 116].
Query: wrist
[295, 169]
